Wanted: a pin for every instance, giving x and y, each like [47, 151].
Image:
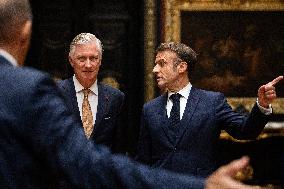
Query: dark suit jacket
[192, 147]
[42, 145]
[108, 129]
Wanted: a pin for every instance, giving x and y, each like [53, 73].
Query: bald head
[13, 13]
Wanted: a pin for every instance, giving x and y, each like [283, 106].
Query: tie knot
[86, 92]
[175, 97]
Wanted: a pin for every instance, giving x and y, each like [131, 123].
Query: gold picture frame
[171, 28]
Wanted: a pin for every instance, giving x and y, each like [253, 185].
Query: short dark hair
[184, 52]
[12, 14]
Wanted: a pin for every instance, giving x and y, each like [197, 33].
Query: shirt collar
[184, 92]
[79, 87]
[9, 57]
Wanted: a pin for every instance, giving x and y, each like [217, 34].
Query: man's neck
[179, 84]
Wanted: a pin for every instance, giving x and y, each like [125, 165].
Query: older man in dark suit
[85, 56]
[42, 145]
[180, 129]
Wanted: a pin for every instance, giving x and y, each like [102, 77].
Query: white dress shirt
[183, 100]
[93, 97]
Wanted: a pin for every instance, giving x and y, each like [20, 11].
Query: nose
[155, 69]
[88, 63]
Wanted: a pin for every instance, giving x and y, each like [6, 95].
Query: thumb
[235, 166]
[261, 89]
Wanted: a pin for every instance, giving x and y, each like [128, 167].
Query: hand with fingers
[224, 177]
[266, 93]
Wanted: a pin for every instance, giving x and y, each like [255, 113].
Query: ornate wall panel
[113, 33]
[52, 30]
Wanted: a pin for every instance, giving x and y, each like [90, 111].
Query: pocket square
[107, 118]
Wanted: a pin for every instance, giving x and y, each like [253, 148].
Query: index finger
[276, 80]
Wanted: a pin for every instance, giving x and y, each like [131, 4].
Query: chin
[89, 78]
[161, 86]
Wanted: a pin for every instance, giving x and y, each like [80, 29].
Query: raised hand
[224, 176]
[266, 93]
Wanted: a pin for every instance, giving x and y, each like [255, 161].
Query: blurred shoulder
[63, 83]
[25, 76]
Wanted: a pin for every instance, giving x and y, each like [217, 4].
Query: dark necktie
[175, 112]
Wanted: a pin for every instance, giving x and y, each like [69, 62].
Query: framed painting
[240, 45]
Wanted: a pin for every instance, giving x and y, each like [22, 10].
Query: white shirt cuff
[266, 111]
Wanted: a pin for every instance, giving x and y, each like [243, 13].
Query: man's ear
[26, 32]
[23, 42]
[70, 61]
[183, 66]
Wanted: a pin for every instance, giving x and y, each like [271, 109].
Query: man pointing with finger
[180, 129]
[266, 93]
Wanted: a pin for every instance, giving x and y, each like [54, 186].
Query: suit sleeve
[237, 125]
[144, 142]
[55, 136]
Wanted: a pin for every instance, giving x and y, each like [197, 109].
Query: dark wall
[117, 23]
[265, 158]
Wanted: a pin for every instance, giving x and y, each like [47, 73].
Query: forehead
[166, 55]
[87, 48]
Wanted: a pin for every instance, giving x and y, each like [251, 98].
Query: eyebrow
[160, 60]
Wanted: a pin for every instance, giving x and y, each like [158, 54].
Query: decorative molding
[174, 7]
[150, 23]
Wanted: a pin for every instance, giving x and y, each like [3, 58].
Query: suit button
[175, 148]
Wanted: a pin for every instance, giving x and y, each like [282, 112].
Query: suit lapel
[103, 102]
[191, 105]
[71, 92]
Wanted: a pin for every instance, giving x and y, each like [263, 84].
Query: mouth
[159, 78]
[87, 71]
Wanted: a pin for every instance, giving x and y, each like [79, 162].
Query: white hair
[85, 38]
